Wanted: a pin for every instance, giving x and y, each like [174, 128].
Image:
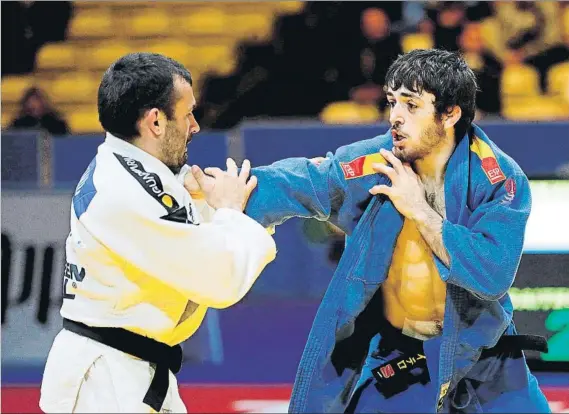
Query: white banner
[34, 228]
[548, 224]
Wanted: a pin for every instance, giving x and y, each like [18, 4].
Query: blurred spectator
[347, 20]
[216, 97]
[26, 26]
[37, 113]
[484, 65]
[445, 22]
[446, 19]
[227, 99]
[413, 14]
[478, 10]
[529, 32]
[304, 77]
[363, 62]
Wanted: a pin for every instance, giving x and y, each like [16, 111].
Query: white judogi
[143, 256]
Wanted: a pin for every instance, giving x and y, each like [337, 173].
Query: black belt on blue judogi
[165, 357]
[398, 373]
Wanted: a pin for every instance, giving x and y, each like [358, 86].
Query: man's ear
[154, 121]
[452, 116]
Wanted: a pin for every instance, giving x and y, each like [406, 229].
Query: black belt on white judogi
[165, 357]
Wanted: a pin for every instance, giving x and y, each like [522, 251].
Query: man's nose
[195, 128]
[396, 116]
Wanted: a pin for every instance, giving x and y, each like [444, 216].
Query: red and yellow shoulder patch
[488, 160]
[361, 166]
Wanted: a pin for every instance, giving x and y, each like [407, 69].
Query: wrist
[422, 214]
[197, 195]
[232, 206]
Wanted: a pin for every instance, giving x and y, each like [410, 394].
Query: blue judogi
[488, 202]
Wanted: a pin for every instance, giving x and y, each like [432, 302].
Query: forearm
[290, 188]
[430, 225]
[213, 264]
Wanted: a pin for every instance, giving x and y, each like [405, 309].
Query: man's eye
[411, 106]
[391, 103]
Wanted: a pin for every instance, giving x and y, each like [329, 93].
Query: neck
[146, 145]
[433, 166]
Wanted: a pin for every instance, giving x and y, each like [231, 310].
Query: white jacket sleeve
[213, 264]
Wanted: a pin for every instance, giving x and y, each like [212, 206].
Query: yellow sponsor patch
[488, 159]
[361, 166]
[167, 201]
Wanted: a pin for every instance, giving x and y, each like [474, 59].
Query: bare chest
[435, 194]
[413, 291]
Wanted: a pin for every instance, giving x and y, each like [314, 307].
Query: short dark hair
[134, 84]
[444, 74]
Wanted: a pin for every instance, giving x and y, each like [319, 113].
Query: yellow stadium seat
[558, 79]
[212, 57]
[346, 112]
[54, 56]
[537, 108]
[566, 22]
[8, 115]
[13, 88]
[224, 68]
[91, 23]
[100, 57]
[92, 5]
[181, 7]
[251, 25]
[148, 23]
[414, 41]
[174, 49]
[74, 87]
[132, 5]
[84, 120]
[490, 33]
[233, 7]
[205, 21]
[288, 6]
[519, 80]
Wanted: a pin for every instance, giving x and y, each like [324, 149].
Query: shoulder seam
[488, 160]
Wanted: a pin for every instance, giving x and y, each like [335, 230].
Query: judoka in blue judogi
[487, 205]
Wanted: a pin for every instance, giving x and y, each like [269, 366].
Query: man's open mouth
[397, 137]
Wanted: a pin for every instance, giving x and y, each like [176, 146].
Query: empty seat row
[64, 56]
[159, 22]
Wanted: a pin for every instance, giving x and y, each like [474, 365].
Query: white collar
[130, 150]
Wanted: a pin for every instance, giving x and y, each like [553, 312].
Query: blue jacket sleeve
[485, 254]
[296, 187]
